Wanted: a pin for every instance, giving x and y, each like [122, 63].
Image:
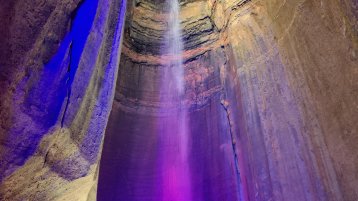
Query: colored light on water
[176, 174]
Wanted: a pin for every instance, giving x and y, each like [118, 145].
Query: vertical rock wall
[271, 87]
[59, 62]
[293, 69]
[141, 144]
[284, 75]
[281, 77]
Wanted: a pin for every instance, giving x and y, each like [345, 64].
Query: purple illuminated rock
[270, 101]
[275, 70]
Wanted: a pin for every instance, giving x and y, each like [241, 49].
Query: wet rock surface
[277, 76]
[270, 90]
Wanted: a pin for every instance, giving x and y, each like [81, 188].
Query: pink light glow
[175, 166]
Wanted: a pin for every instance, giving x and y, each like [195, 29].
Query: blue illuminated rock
[269, 104]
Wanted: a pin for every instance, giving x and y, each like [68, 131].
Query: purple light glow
[164, 146]
[174, 159]
[175, 164]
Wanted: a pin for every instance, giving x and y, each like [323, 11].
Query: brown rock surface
[271, 90]
[288, 83]
[297, 77]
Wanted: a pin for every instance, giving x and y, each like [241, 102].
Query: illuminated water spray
[176, 174]
[176, 46]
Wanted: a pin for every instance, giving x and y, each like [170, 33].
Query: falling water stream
[164, 151]
[176, 47]
[176, 175]
[177, 73]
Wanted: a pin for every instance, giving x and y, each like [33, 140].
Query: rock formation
[271, 92]
[59, 61]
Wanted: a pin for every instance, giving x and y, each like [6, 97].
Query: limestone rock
[270, 90]
[59, 61]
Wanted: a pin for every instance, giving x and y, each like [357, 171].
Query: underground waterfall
[160, 143]
[176, 175]
[178, 100]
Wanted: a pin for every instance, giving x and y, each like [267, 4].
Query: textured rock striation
[271, 93]
[59, 61]
[296, 71]
[270, 86]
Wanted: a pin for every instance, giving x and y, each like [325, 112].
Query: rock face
[271, 93]
[59, 61]
[270, 87]
[296, 71]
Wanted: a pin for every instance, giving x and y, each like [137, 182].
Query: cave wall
[59, 62]
[140, 147]
[272, 83]
[285, 81]
[294, 66]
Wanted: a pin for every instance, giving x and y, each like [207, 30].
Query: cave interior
[179, 100]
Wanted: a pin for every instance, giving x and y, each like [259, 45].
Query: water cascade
[176, 177]
[179, 100]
